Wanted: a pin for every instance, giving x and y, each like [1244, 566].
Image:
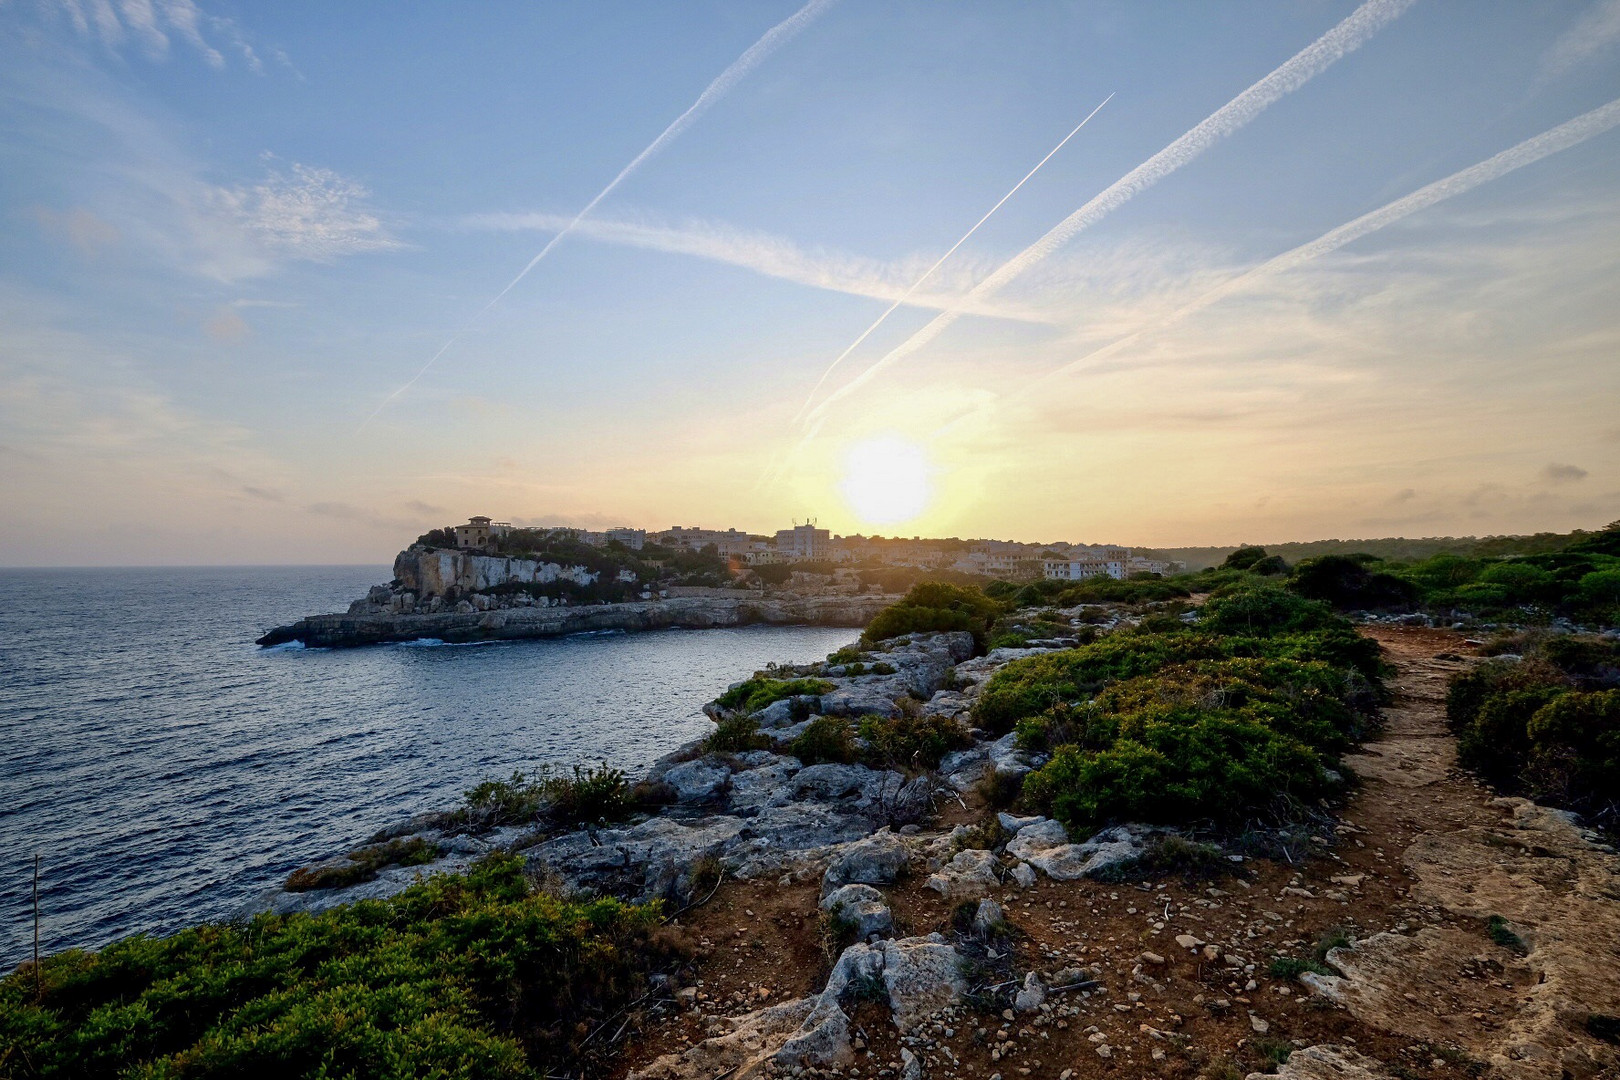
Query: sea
[165, 770]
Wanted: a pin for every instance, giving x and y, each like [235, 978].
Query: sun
[886, 480]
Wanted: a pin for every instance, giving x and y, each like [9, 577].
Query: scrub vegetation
[1237, 717]
[1544, 721]
[468, 976]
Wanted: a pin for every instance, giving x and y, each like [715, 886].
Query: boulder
[1326, 1063]
[878, 860]
[1024, 875]
[1031, 996]
[861, 905]
[745, 1048]
[922, 976]
[1045, 845]
[695, 781]
[1007, 759]
[988, 918]
[971, 872]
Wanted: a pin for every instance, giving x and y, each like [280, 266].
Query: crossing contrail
[1305, 65]
[757, 53]
[1569, 134]
[941, 262]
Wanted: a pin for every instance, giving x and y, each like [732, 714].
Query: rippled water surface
[167, 769]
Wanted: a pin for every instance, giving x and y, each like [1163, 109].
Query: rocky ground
[1466, 935]
[871, 924]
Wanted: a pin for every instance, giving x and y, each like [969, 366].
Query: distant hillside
[1390, 547]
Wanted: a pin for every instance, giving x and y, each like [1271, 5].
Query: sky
[1314, 269]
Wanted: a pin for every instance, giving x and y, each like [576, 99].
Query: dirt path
[1422, 858]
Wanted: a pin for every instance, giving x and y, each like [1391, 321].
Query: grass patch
[362, 865]
[1501, 933]
[754, 694]
[1292, 967]
[1274, 1052]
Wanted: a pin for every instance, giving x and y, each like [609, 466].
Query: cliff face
[428, 574]
[373, 625]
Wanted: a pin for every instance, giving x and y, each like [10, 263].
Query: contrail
[1305, 65]
[941, 262]
[1563, 137]
[773, 39]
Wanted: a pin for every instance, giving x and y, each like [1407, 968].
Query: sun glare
[886, 480]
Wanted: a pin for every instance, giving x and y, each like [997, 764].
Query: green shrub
[910, 742]
[1496, 743]
[1177, 765]
[589, 795]
[1575, 750]
[1501, 933]
[1348, 583]
[494, 803]
[933, 606]
[464, 976]
[754, 694]
[825, 739]
[1262, 611]
[735, 734]
[1030, 686]
[362, 864]
[1601, 588]
[1292, 967]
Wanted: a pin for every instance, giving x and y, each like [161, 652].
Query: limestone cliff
[379, 625]
[441, 573]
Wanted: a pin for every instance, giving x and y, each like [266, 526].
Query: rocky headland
[458, 597]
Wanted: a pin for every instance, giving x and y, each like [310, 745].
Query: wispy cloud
[771, 256]
[1295, 72]
[1566, 135]
[151, 25]
[1555, 473]
[1596, 31]
[310, 213]
[934, 268]
[756, 54]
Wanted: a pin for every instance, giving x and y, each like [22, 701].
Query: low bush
[1263, 611]
[933, 606]
[461, 976]
[754, 694]
[589, 795]
[1547, 725]
[1031, 686]
[735, 734]
[1178, 765]
[910, 742]
[362, 864]
[494, 803]
[825, 739]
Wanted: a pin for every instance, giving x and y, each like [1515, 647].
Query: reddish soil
[1192, 1015]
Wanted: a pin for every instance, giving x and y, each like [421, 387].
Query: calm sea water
[167, 769]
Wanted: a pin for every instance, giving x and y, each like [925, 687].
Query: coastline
[506, 624]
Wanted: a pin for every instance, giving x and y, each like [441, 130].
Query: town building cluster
[1008, 560]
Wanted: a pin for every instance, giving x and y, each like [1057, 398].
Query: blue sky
[233, 233]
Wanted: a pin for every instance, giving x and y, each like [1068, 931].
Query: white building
[804, 542]
[634, 539]
[1081, 569]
